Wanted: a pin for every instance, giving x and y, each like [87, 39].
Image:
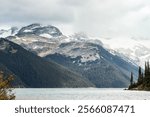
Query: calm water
[79, 94]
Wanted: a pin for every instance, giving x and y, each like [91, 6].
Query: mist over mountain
[84, 55]
[130, 48]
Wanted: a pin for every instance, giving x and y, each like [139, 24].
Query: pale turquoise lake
[79, 94]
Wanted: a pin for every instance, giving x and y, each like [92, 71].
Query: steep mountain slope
[33, 71]
[78, 52]
[17, 82]
[97, 64]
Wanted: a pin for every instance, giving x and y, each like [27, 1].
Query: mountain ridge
[36, 72]
[80, 52]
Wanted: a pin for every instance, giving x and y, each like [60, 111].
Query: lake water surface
[79, 94]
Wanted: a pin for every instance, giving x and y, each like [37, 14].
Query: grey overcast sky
[108, 18]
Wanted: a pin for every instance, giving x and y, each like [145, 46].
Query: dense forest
[143, 82]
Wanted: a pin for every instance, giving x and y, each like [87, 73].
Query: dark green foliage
[101, 73]
[140, 76]
[143, 82]
[131, 80]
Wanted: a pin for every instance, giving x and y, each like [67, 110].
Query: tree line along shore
[143, 81]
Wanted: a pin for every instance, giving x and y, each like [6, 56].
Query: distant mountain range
[86, 56]
[136, 50]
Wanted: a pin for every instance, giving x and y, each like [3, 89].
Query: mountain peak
[47, 31]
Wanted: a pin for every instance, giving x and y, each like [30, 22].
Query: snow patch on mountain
[45, 35]
[5, 33]
[8, 32]
[86, 51]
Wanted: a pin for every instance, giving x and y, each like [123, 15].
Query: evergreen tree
[145, 68]
[140, 76]
[148, 70]
[131, 80]
[143, 82]
[5, 87]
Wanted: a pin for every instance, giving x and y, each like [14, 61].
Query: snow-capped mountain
[40, 30]
[78, 52]
[8, 32]
[72, 46]
[45, 40]
[135, 50]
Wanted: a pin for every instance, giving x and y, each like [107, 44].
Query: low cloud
[95, 17]
[24, 11]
